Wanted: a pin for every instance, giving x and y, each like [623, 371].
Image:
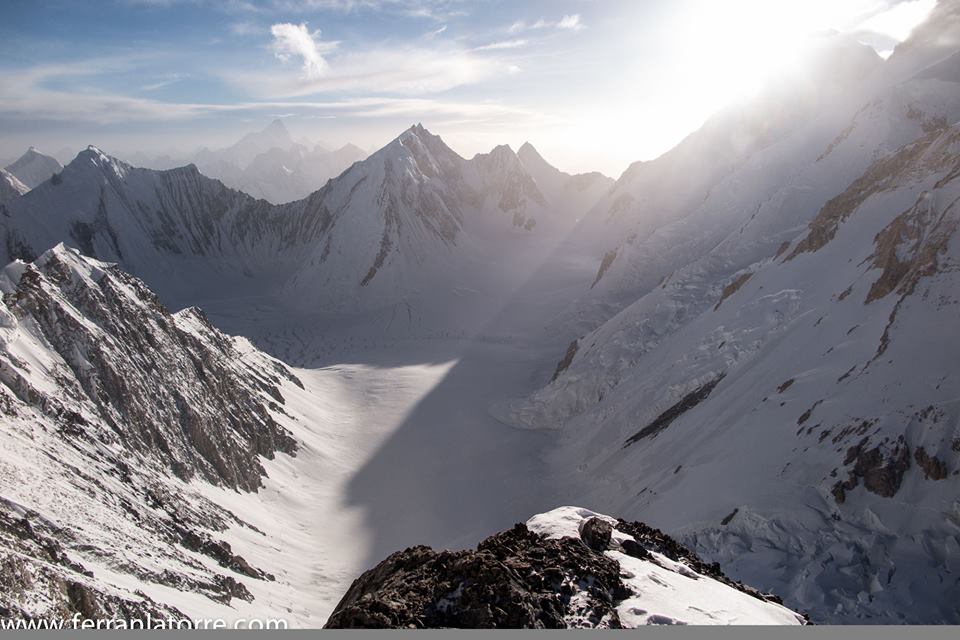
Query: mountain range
[746, 342]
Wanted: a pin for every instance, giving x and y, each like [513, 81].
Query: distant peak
[277, 128]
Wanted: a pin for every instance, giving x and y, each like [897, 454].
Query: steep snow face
[10, 186]
[114, 413]
[33, 168]
[783, 390]
[396, 218]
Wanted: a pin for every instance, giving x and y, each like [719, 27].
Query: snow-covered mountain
[10, 186]
[775, 381]
[412, 217]
[115, 414]
[33, 168]
[567, 568]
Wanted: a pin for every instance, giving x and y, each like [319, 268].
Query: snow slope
[779, 388]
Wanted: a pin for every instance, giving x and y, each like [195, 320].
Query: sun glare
[723, 53]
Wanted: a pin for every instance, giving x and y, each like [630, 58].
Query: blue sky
[594, 84]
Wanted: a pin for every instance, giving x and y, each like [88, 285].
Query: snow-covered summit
[33, 167]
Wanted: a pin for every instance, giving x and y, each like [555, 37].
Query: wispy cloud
[166, 81]
[568, 22]
[503, 44]
[31, 98]
[296, 41]
[402, 70]
[437, 10]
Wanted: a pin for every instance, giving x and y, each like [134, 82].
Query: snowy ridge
[10, 186]
[113, 410]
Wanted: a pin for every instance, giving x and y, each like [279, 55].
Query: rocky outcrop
[526, 577]
[666, 418]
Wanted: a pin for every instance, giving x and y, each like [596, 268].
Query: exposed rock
[596, 533]
[733, 287]
[608, 259]
[111, 401]
[563, 569]
[933, 468]
[567, 359]
[882, 174]
[188, 404]
[515, 579]
[664, 420]
[881, 468]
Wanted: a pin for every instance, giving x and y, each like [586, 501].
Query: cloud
[29, 98]
[401, 70]
[568, 22]
[246, 28]
[167, 80]
[571, 22]
[438, 10]
[505, 44]
[295, 40]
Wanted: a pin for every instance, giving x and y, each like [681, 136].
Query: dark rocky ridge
[514, 579]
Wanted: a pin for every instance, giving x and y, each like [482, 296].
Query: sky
[593, 84]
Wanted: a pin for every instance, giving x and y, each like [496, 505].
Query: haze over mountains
[747, 342]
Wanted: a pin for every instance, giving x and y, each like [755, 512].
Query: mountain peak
[526, 147]
[33, 167]
[277, 127]
[94, 156]
[528, 153]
